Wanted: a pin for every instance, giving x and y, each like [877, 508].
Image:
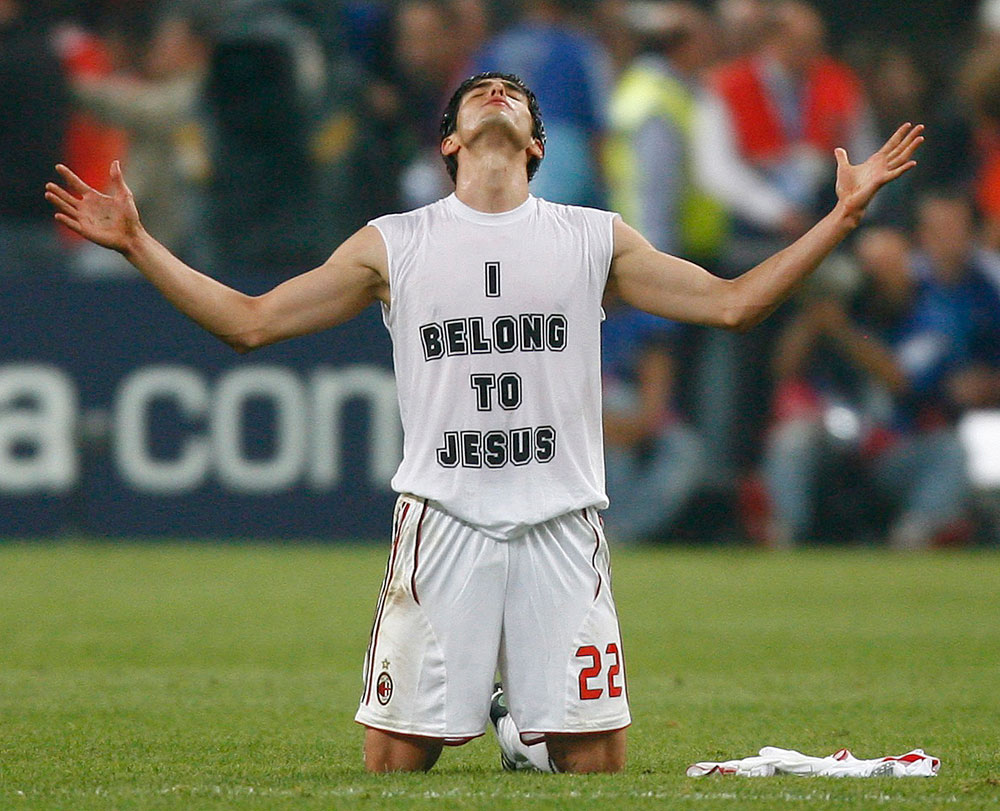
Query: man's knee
[392, 752]
[587, 754]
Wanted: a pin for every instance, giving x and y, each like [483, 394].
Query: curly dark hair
[448, 120]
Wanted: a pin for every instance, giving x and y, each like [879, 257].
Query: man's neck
[492, 184]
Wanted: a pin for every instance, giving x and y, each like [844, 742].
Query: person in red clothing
[760, 139]
[90, 144]
[777, 111]
[979, 89]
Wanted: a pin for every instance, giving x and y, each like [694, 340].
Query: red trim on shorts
[537, 737]
[416, 552]
[618, 624]
[380, 606]
[593, 560]
[443, 741]
[621, 654]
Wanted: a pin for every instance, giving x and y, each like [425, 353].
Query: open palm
[111, 220]
[857, 184]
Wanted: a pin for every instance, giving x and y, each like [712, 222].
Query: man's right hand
[110, 220]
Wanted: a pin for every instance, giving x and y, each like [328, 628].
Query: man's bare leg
[392, 752]
[580, 753]
[585, 754]
[574, 754]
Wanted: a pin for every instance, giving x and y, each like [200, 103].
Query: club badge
[383, 687]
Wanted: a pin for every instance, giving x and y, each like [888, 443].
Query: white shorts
[456, 605]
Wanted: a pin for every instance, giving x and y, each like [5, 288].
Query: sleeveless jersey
[495, 323]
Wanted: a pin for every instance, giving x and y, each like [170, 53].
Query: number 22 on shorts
[592, 672]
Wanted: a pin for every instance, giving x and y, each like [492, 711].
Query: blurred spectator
[33, 115]
[765, 142]
[955, 155]
[649, 163]
[743, 24]
[157, 107]
[979, 88]
[929, 335]
[94, 49]
[570, 73]
[770, 137]
[896, 86]
[285, 134]
[414, 52]
[426, 60]
[836, 376]
[950, 353]
[961, 306]
[610, 22]
[473, 25]
[655, 462]
[896, 83]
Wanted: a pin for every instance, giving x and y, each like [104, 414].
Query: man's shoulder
[411, 215]
[571, 210]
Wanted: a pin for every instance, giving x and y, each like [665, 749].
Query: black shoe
[498, 704]
[498, 709]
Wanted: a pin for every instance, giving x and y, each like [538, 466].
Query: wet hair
[450, 117]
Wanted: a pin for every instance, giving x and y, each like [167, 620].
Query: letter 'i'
[493, 280]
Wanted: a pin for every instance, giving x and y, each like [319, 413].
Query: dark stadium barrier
[119, 417]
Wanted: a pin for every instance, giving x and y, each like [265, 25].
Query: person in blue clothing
[923, 348]
[570, 73]
[949, 351]
[654, 460]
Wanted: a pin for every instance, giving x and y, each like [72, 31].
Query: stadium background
[185, 674]
[121, 419]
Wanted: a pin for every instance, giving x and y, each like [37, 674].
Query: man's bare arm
[673, 288]
[352, 278]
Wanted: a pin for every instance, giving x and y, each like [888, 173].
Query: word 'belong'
[527, 332]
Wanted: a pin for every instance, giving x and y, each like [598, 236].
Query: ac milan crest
[383, 688]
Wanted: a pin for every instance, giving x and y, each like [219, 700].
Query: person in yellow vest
[655, 460]
[648, 157]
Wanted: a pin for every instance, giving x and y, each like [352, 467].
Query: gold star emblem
[385, 664]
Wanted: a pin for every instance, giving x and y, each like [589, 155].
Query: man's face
[494, 105]
[499, 113]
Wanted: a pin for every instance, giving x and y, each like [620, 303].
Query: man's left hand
[857, 184]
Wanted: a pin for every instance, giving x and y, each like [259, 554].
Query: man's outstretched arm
[352, 278]
[673, 288]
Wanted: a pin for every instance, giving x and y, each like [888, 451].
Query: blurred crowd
[257, 134]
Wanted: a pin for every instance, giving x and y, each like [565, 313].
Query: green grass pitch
[180, 676]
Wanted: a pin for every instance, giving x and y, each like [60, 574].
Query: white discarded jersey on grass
[495, 322]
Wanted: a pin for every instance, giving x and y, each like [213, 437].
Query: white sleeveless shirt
[495, 322]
